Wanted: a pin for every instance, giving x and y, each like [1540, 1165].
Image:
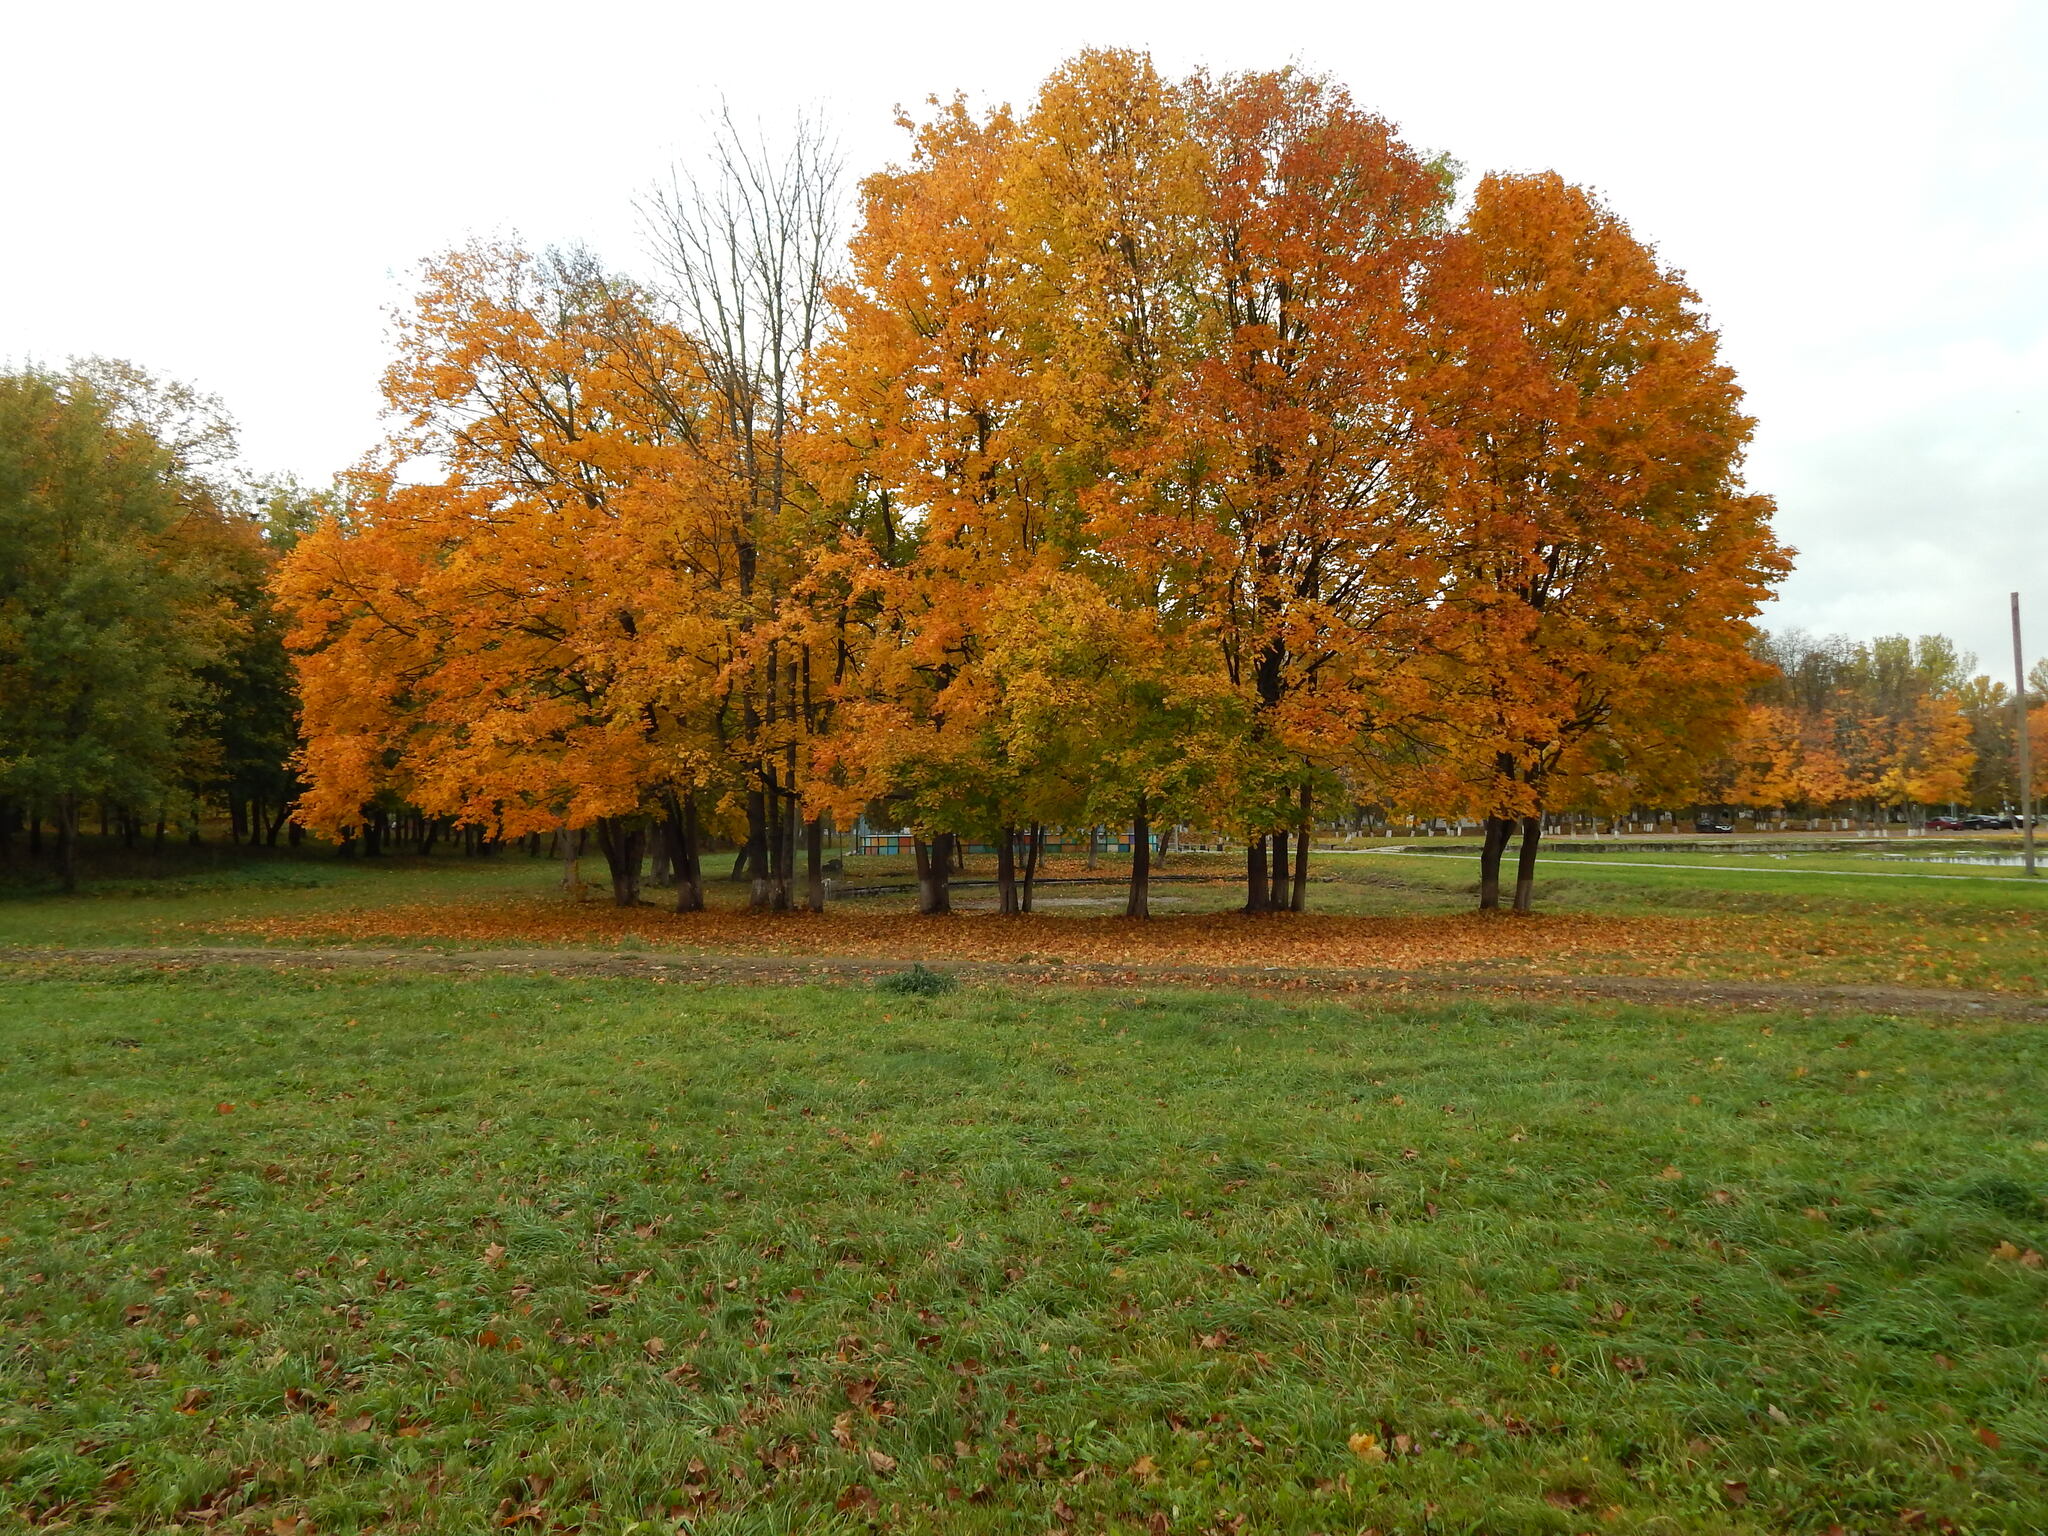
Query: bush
[917, 982]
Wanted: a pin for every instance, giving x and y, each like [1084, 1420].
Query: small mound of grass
[918, 982]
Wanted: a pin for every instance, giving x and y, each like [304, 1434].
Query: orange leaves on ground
[1311, 940]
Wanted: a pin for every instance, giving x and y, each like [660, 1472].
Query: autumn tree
[1583, 448]
[479, 643]
[1273, 502]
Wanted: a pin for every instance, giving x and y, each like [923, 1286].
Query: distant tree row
[1173, 451]
[1891, 726]
[142, 668]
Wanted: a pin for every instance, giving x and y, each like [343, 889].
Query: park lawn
[1805, 919]
[295, 1251]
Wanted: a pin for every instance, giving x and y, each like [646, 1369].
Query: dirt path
[786, 969]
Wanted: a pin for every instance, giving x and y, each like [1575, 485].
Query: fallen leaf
[1367, 1447]
[881, 1461]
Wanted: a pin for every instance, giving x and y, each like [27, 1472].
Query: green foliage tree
[110, 603]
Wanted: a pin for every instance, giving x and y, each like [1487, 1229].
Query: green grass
[394, 1253]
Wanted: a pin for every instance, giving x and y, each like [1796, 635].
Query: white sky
[234, 194]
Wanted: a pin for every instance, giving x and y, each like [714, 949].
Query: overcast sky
[236, 194]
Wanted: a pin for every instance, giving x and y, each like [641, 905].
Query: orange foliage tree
[1583, 446]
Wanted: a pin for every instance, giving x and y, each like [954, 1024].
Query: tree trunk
[814, 865]
[623, 847]
[1276, 885]
[160, 829]
[1525, 866]
[284, 814]
[570, 841]
[1255, 874]
[67, 841]
[1006, 870]
[1140, 902]
[1094, 839]
[934, 871]
[1034, 845]
[661, 853]
[685, 858]
[1490, 852]
[755, 858]
[1298, 902]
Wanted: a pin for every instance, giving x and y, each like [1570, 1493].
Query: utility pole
[2019, 705]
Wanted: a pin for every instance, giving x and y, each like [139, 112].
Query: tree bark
[686, 862]
[1094, 840]
[67, 841]
[1140, 902]
[1490, 852]
[623, 847]
[1298, 902]
[1255, 874]
[755, 858]
[1006, 870]
[1525, 866]
[1276, 884]
[934, 872]
[814, 865]
[661, 844]
[1033, 846]
[570, 841]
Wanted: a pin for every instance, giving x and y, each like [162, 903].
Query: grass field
[1826, 919]
[326, 1253]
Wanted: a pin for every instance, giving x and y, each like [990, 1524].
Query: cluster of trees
[142, 666]
[1885, 727]
[1174, 450]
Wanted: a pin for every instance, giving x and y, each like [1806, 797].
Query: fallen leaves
[1572, 942]
[2010, 1252]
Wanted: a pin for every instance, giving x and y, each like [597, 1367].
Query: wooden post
[2019, 704]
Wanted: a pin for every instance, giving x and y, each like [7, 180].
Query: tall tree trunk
[685, 857]
[785, 877]
[755, 858]
[67, 841]
[237, 820]
[1033, 846]
[1490, 852]
[661, 844]
[570, 841]
[1276, 886]
[1298, 902]
[1140, 902]
[284, 814]
[814, 865]
[1255, 874]
[623, 846]
[934, 874]
[161, 828]
[1094, 840]
[1525, 865]
[1006, 870]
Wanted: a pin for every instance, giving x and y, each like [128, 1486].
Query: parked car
[1946, 823]
[1713, 824]
[1989, 822]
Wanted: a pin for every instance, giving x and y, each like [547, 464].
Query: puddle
[2002, 860]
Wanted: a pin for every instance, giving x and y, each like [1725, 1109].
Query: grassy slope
[816, 1258]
